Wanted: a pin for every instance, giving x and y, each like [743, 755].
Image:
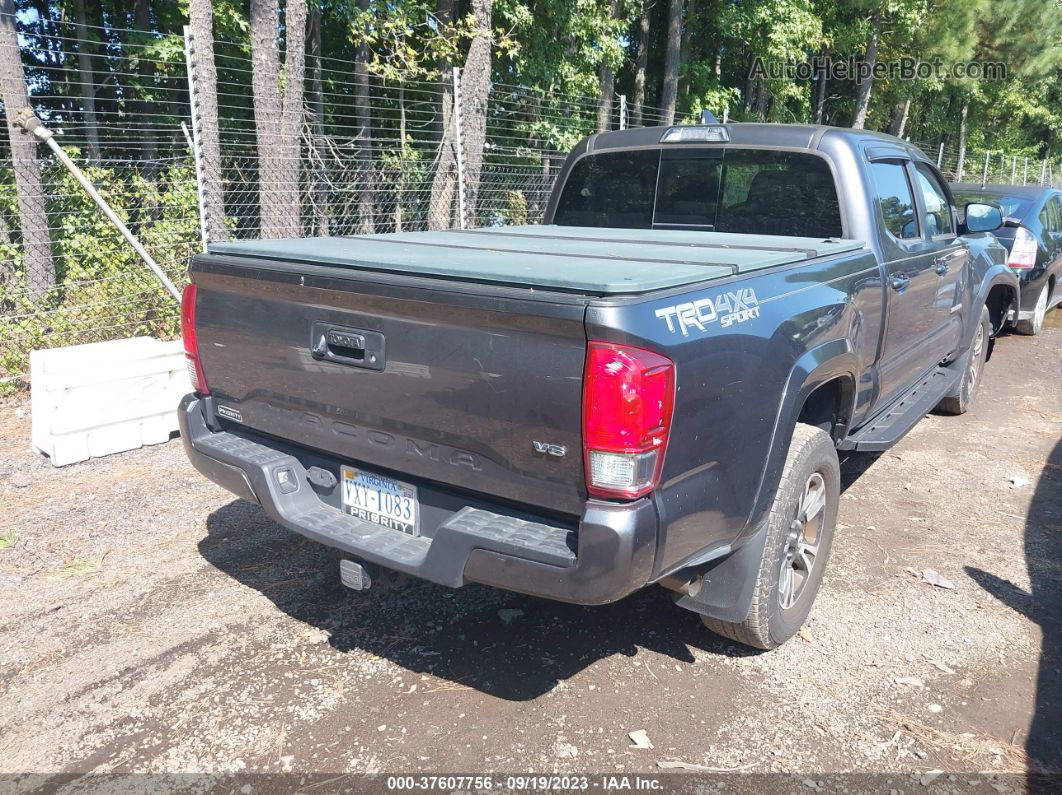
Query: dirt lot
[153, 623]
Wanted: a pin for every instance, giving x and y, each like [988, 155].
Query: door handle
[899, 281]
[349, 346]
[942, 265]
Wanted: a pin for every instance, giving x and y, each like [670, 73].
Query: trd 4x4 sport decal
[727, 308]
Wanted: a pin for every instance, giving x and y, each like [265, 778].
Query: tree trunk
[748, 95]
[607, 95]
[265, 85]
[862, 105]
[963, 116]
[899, 118]
[289, 217]
[318, 185]
[33, 219]
[672, 61]
[762, 95]
[640, 65]
[475, 86]
[366, 172]
[820, 92]
[149, 146]
[87, 82]
[606, 79]
[201, 23]
[440, 202]
[444, 182]
[686, 54]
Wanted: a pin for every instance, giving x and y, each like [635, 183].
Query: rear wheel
[963, 397]
[1035, 324]
[799, 536]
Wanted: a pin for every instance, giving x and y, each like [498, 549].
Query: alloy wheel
[1040, 312]
[973, 372]
[802, 542]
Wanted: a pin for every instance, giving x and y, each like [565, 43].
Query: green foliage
[80, 566]
[547, 67]
[516, 208]
[103, 290]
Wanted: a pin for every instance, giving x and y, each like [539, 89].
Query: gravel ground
[152, 623]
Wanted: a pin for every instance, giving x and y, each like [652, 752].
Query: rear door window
[1051, 216]
[937, 218]
[893, 190]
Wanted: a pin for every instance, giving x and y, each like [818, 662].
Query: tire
[960, 401]
[783, 596]
[1035, 324]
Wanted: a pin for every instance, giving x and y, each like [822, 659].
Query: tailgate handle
[349, 346]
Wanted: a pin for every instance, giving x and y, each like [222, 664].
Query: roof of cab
[795, 136]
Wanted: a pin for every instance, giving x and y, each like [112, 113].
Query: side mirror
[983, 217]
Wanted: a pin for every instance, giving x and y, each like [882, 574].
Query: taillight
[628, 398]
[1023, 252]
[191, 344]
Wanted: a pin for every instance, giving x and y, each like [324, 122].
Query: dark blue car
[1033, 236]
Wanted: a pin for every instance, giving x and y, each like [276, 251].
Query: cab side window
[938, 219]
[894, 194]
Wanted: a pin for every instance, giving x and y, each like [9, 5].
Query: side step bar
[891, 425]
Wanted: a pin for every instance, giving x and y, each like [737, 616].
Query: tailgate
[463, 384]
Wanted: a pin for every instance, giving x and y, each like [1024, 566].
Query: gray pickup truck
[651, 387]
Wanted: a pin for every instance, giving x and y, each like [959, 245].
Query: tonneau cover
[582, 259]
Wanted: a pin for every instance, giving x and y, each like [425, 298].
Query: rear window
[614, 189]
[725, 190]
[1012, 206]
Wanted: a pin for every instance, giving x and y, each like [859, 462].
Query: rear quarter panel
[739, 379]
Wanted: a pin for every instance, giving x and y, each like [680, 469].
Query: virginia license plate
[380, 500]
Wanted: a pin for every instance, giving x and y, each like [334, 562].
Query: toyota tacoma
[651, 387]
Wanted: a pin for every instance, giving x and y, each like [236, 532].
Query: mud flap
[727, 585]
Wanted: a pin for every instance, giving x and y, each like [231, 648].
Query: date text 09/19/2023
[526, 782]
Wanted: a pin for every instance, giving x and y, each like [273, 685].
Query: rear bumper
[1032, 282]
[609, 555]
[1052, 302]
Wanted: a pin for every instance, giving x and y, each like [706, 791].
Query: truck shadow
[504, 644]
[1043, 605]
[507, 645]
[854, 466]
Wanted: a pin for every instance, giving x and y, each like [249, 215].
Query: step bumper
[609, 556]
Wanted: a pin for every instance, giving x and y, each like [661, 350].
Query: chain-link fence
[992, 167]
[384, 156]
[371, 153]
[66, 275]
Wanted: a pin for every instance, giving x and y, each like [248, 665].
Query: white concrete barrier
[105, 397]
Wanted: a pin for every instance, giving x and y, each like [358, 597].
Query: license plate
[380, 500]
